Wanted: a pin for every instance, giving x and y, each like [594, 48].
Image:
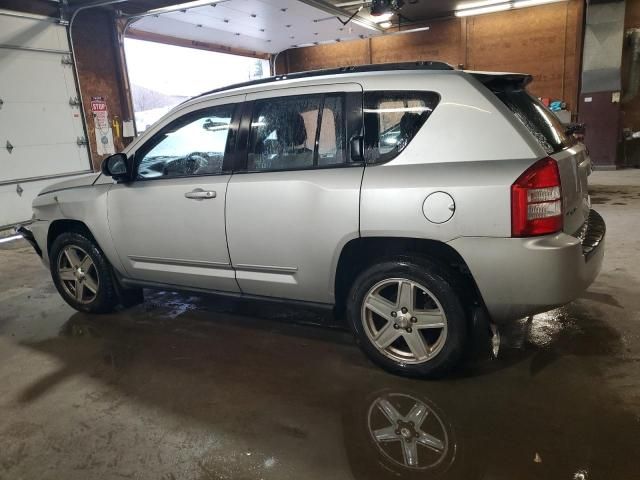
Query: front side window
[296, 133]
[193, 145]
[392, 119]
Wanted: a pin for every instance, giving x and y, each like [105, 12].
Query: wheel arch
[362, 252]
[61, 226]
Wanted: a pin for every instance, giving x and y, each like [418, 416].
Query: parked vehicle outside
[423, 203]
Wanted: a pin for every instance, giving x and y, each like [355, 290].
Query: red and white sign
[104, 135]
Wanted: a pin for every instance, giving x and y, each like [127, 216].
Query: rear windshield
[541, 122]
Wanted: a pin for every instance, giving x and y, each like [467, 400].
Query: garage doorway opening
[162, 76]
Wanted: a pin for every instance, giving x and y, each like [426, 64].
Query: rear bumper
[518, 277]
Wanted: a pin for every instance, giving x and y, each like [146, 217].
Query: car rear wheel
[82, 274]
[408, 318]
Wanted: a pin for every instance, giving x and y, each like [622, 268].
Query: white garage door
[41, 129]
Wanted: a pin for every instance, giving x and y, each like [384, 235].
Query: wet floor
[191, 387]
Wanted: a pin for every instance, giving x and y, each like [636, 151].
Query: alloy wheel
[404, 321]
[78, 274]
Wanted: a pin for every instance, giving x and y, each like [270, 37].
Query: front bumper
[36, 234]
[518, 277]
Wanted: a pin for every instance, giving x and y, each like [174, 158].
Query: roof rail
[380, 67]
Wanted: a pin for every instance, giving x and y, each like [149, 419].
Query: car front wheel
[82, 274]
[408, 318]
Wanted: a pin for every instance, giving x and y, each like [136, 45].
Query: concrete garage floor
[187, 387]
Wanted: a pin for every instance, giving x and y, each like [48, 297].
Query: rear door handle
[200, 194]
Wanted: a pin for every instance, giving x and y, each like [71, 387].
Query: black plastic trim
[28, 236]
[232, 139]
[353, 113]
[497, 82]
[166, 286]
[242, 144]
[592, 236]
[316, 141]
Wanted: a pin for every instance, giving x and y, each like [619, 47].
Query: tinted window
[285, 134]
[542, 123]
[392, 119]
[193, 145]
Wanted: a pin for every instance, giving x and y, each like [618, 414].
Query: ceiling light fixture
[410, 30]
[352, 3]
[477, 4]
[532, 3]
[182, 6]
[481, 10]
[492, 6]
[385, 24]
[365, 25]
[385, 17]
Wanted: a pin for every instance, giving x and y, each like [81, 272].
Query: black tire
[441, 284]
[106, 298]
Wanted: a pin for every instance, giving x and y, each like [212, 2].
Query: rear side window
[541, 122]
[392, 119]
[296, 133]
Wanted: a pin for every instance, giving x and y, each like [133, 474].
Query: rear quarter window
[391, 121]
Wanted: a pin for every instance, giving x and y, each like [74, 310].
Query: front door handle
[200, 194]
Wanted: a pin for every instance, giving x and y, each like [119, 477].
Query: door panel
[168, 226]
[286, 228]
[162, 236]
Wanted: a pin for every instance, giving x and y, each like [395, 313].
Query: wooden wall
[541, 41]
[441, 42]
[544, 41]
[97, 54]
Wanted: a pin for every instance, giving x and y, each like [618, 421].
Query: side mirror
[117, 167]
[356, 149]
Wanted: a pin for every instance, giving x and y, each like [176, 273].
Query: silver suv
[418, 200]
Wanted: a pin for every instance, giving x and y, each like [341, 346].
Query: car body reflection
[410, 433]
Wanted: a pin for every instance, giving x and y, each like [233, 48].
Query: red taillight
[536, 200]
